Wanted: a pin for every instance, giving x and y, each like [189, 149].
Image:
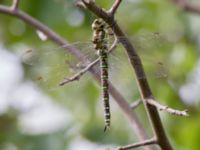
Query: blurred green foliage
[175, 46]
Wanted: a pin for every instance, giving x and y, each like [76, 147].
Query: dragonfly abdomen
[100, 44]
[105, 86]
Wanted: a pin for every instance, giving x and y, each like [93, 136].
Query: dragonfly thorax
[98, 24]
[99, 34]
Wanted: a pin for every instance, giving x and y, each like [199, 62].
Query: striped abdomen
[104, 84]
[100, 44]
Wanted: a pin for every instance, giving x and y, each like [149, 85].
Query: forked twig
[15, 4]
[87, 68]
[114, 7]
[166, 108]
[139, 144]
[136, 104]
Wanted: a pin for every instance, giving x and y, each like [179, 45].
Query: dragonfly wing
[49, 66]
[118, 60]
[153, 49]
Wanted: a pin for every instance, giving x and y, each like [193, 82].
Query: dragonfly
[100, 44]
[50, 66]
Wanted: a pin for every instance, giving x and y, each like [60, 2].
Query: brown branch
[183, 4]
[114, 7]
[136, 63]
[139, 144]
[15, 4]
[134, 121]
[78, 75]
[136, 104]
[166, 108]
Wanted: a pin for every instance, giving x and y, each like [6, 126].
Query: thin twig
[15, 4]
[136, 63]
[136, 104]
[139, 144]
[78, 75]
[183, 4]
[114, 7]
[87, 68]
[54, 37]
[167, 109]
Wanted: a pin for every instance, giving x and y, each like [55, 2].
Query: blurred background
[37, 114]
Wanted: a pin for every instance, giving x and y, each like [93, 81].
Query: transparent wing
[152, 69]
[49, 66]
[153, 49]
